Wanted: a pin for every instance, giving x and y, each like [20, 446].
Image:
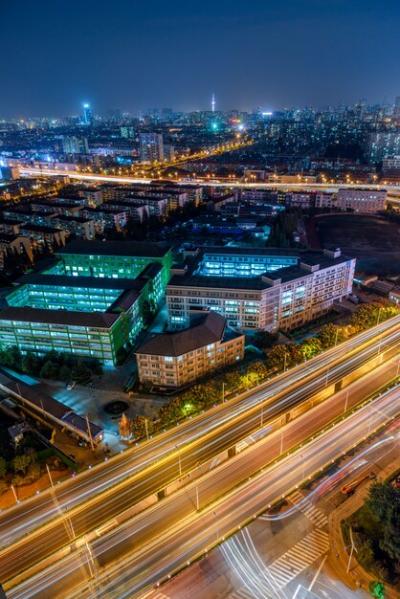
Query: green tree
[49, 370]
[283, 356]
[31, 364]
[21, 462]
[65, 373]
[384, 503]
[329, 334]
[310, 348]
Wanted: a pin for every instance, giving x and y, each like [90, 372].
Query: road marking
[287, 567]
[242, 593]
[309, 510]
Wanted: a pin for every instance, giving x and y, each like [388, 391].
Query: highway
[49, 172]
[148, 548]
[169, 456]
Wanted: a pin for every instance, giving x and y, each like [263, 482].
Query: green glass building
[89, 304]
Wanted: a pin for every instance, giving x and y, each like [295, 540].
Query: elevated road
[30, 514]
[50, 172]
[147, 549]
[213, 432]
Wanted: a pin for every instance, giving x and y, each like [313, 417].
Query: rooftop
[208, 328]
[101, 320]
[116, 248]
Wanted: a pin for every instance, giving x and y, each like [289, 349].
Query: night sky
[134, 54]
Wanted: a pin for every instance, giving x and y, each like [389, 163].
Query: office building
[75, 145]
[259, 289]
[114, 259]
[92, 302]
[178, 358]
[87, 114]
[151, 147]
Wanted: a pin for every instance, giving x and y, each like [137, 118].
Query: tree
[31, 364]
[377, 589]
[21, 462]
[329, 334]
[3, 467]
[65, 373]
[49, 370]
[310, 348]
[263, 339]
[283, 356]
[384, 503]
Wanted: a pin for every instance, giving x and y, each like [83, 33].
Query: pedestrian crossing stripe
[242, 593]
[287, 567]
[309, 510]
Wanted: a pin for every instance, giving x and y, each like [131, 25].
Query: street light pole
[353, 548]
[223, 392]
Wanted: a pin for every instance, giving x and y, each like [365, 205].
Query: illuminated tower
[87, 114]
[213, 103]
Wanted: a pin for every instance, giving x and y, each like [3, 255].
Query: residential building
[151, 147]
[175, 359]
[362, 201]
[75, 145]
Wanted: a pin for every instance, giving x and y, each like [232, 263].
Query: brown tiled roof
[210, 329]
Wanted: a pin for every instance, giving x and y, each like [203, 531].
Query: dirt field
[374, 241]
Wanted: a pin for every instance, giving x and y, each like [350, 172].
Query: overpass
[156, 469]
[49, 172]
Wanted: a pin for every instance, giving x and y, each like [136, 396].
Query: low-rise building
[178, 358]
[363, 201]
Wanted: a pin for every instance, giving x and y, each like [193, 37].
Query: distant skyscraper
[151, 147]
[75, 145]
[213, 103]
[87, 114]
[397, 106]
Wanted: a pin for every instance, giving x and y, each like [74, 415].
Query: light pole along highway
[35, 512]
[94, 512]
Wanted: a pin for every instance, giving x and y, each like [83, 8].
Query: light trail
[30, 171]
[161, 555]
[344, 470]
[191, 432]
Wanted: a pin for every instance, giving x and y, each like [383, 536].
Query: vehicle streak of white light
[262, 566]
[297, 506]
[239, 567]
[250, 402]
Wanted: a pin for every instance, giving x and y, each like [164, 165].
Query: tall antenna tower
[213, 103]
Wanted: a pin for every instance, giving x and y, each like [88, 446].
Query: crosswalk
[314, 514]
[241, 594]
[299, 557]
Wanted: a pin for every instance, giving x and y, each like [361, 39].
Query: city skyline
[304, 53]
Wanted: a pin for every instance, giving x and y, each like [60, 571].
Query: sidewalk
[357, 577]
